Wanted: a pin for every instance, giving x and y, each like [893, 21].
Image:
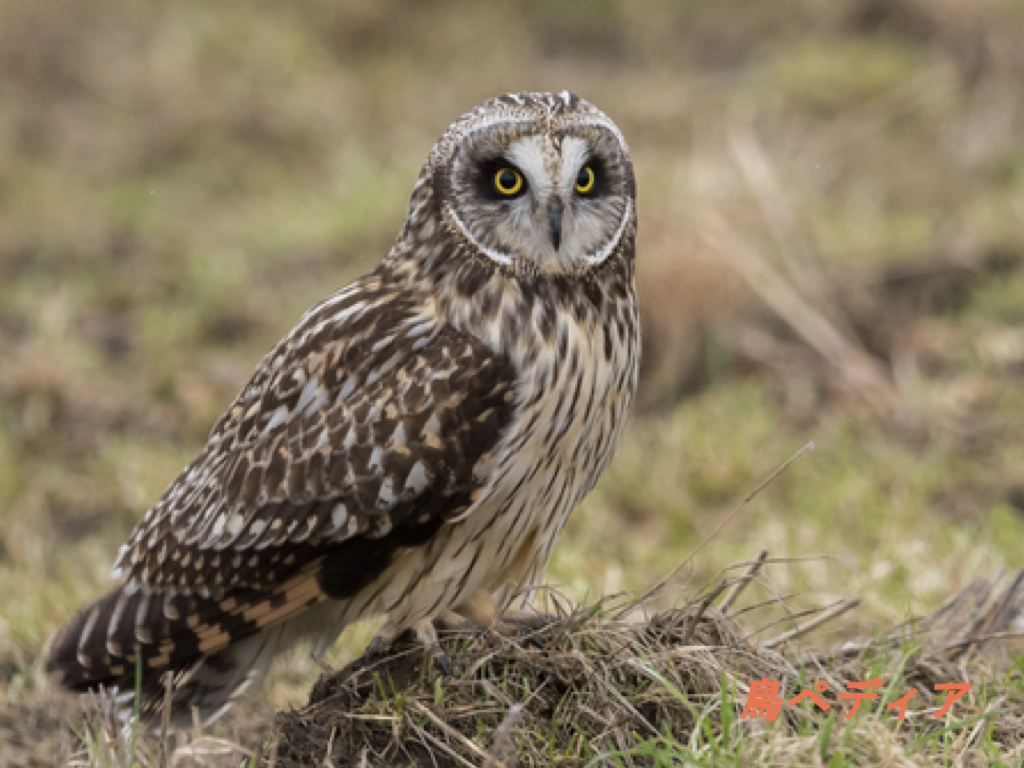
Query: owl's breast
[574, 389]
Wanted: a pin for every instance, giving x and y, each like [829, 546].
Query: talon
[372, 651]
[530, 636]
[534, 642]
[378, 645]
[441, 659]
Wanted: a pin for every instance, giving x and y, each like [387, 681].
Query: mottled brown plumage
[414, 446]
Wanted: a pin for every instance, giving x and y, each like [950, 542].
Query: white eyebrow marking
[574, 154]
[528, 154]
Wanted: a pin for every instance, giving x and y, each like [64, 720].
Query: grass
[177, 186]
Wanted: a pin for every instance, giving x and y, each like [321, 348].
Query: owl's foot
[427, 634]
[527, 621]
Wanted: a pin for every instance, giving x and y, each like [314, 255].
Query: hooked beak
[555, 209]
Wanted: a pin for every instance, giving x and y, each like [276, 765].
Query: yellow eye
[508, 182]
[585, 180]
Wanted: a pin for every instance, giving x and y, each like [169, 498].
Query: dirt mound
[600, 682]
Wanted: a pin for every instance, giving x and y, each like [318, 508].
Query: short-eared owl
[414, 446]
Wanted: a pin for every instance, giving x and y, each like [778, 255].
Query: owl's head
[535, 183]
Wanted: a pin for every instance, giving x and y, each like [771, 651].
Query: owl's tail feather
[213, 648]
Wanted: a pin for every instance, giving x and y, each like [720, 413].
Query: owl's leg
[480, 608]
[426, 633]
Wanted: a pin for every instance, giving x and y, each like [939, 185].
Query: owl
[412, 449]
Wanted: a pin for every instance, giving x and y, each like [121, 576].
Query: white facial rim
[599, 256]
[527, 154]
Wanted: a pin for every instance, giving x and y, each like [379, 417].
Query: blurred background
[831, 198]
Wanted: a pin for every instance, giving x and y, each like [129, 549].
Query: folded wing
[362, 432]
